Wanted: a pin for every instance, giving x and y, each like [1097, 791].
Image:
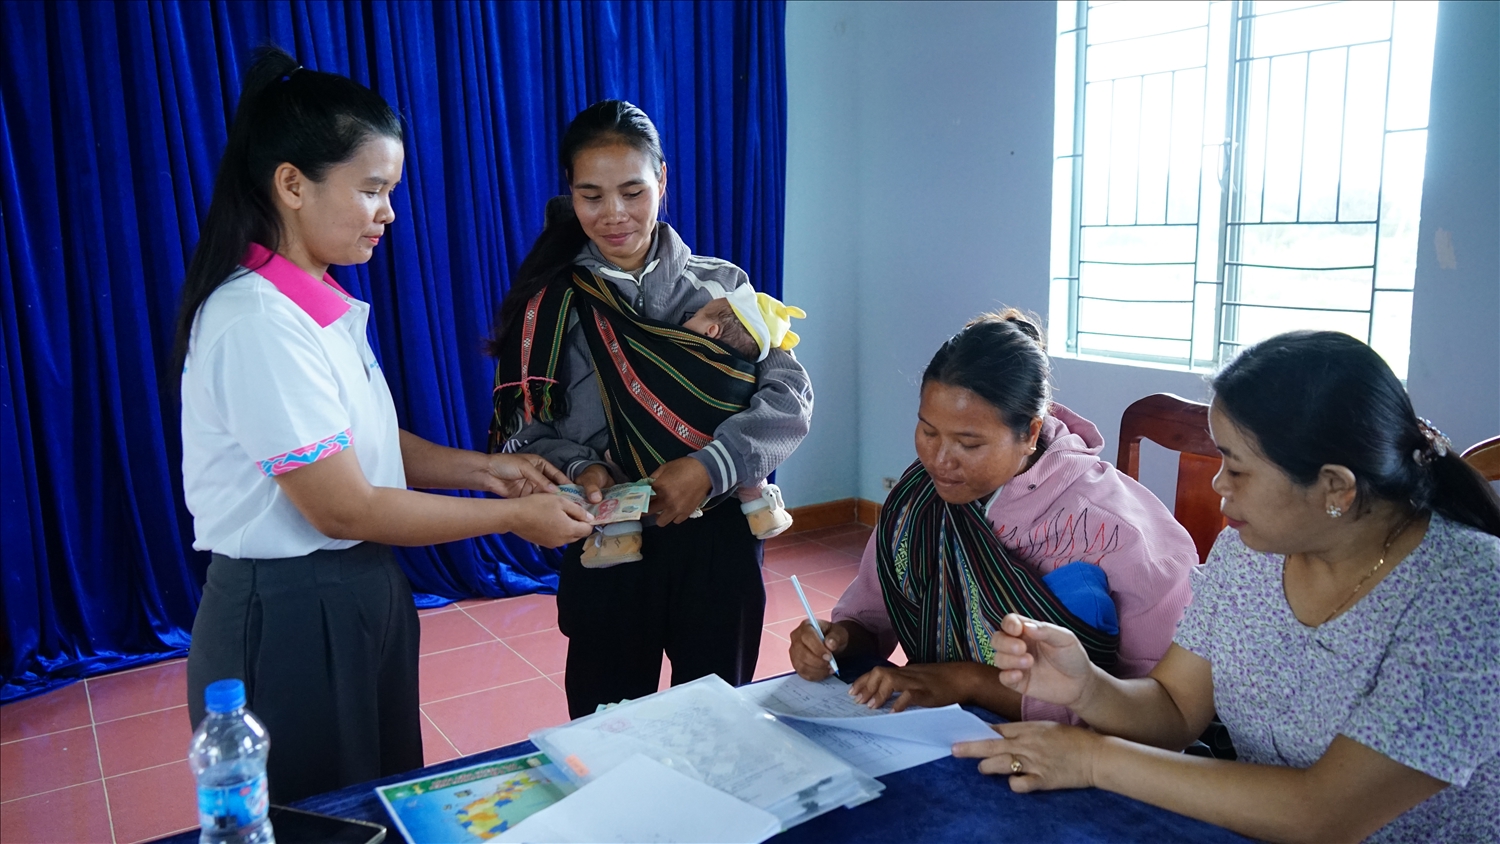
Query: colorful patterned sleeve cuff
[306, 455]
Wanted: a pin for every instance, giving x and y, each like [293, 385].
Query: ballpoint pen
[813, 620]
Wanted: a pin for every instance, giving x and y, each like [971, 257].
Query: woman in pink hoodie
[1008, 505]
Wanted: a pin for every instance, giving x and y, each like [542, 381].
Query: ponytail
[555, 250]
[286, 115]
[1461, 494]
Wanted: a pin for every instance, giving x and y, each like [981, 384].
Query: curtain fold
[112, 119]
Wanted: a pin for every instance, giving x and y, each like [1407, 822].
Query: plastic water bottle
[228, 757]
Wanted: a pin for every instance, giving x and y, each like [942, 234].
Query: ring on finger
[1015, 765]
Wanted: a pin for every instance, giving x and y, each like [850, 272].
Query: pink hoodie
[1073, 506]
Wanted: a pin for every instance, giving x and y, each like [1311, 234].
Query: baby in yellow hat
[752, 324]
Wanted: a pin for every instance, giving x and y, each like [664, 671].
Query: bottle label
[233, 807]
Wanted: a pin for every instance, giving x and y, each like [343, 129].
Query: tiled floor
[104, 760]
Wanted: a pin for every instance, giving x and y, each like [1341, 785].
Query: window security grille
[1229, 170]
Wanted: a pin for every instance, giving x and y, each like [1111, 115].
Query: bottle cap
[224, 695]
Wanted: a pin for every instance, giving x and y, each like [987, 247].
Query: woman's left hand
[1037, 755]
[515, 475]
[928, 684]
[678, 488]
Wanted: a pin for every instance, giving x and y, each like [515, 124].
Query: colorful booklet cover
[476, 803]
[621, 503]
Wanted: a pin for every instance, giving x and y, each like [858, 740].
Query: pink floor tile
[151, 803]
[67, 816]
[774, 658]
[666, 674]
[59, 709]
[471, 669]
[547, 651]
[768, 576]
[823, 534]
[449, 630]
[496, 717]
[143, 741]
[435, 746]
[435, 610]
[782, 602]
[830, 582]
[57, 760]
[508, 617]
[783, 629]
[148, 689]
[785, 540]
[803, 560]
[853, 542]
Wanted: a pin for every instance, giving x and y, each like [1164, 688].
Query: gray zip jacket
[674, 284]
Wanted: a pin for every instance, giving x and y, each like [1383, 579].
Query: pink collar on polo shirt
[317, 299]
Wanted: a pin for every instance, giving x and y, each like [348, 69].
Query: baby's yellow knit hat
[767, 319]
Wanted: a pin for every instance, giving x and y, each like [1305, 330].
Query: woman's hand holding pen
[810, 656]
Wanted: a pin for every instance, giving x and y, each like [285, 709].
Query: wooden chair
[1182, 426]
[1485, 456]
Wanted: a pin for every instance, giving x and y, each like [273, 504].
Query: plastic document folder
[706, 731]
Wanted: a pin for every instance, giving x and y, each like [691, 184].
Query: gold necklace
[1389, 540]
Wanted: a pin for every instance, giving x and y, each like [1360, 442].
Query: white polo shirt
[279, 375]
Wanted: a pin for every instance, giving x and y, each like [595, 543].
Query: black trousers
[327, 647]
[697, 595]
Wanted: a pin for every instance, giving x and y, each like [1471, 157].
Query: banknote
[621, 503]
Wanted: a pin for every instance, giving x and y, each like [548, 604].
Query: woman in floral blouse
[1346, 627]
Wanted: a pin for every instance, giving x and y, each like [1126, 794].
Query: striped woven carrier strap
[664, 388]
[947, 580]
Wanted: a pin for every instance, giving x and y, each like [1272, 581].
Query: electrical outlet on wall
[887, 484]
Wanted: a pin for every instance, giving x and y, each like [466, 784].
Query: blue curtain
[112, 118]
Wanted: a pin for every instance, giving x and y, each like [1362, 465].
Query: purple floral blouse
[1412, 671]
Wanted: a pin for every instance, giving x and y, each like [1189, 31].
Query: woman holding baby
[598, 373]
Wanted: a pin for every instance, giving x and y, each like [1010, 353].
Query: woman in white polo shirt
[294, 467]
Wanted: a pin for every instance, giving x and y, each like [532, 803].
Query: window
[1229, 170]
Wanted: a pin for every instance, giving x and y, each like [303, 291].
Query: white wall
[919, 167]
[822, 193]
[931, 138]
[1455, 327]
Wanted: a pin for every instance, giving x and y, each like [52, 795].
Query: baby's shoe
[611, 545]
[767, 514]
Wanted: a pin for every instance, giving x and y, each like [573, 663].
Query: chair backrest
[1182, 426]
[1485, 456]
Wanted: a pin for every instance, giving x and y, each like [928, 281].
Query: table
[942, 801]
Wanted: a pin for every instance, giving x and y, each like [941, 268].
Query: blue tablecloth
[942, 801]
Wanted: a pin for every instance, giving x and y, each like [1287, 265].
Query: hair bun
[1027, 324]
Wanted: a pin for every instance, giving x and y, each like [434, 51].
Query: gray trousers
[327, 647]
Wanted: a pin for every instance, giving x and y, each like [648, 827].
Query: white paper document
[828, 703]
[643, 800]
[874, 754]
[877, 741]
